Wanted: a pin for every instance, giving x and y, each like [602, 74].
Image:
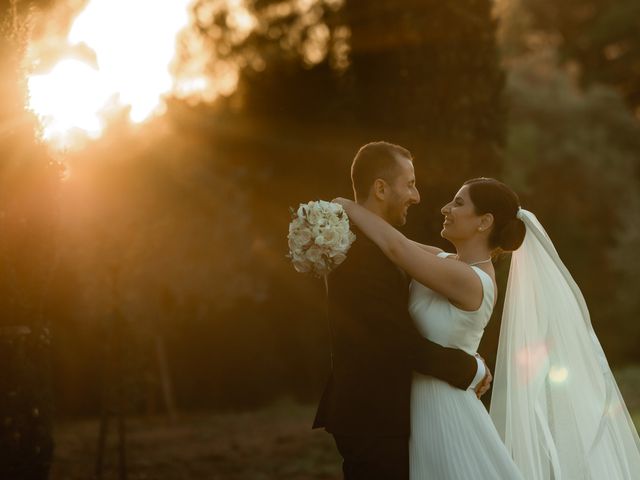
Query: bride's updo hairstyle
[491, 196]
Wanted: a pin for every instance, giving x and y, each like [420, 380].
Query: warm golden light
[67, 99]
[134, 45]
[122, 54]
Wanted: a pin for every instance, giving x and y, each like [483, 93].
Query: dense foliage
[28, 219]
[600, 37]
[174, 231]
[573, 156]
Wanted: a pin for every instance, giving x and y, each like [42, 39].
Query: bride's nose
[444, 209]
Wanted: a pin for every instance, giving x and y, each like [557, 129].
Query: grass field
[274, 443]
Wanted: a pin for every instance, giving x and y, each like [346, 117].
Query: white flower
[300, 237]
[319, 237]
[313, 254]
[296, 224]
[335, 207]
[338, 258]
[302, 266]
[328, 237]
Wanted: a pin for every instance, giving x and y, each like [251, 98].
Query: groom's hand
[485, 384]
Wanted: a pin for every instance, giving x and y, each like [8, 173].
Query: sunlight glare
[143, 51]
[240, 20]
[134, 45]
[69, 97]
[134, 58]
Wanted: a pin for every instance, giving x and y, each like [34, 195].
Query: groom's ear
[379, 189]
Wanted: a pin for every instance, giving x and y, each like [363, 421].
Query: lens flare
[558, 374]
[531, 361]
[134, 45]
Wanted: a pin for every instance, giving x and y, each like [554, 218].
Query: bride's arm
[427, 248]
[452, 279]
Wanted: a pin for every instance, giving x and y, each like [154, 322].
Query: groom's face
[402, 192]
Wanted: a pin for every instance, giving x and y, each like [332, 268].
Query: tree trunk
[165, 378]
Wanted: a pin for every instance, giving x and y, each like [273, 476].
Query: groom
[375, 345]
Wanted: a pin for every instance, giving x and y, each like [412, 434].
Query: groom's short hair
[375, 160]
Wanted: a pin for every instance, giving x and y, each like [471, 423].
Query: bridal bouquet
[319, 237]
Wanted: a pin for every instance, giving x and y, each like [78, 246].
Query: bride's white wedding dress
[556, 409]
[452, 434]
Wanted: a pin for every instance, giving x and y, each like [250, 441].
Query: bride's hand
[345, 202]
[485, 384]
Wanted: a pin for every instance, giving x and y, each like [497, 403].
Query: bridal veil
[555, 402]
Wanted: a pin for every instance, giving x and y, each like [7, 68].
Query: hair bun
[488, 195]
[512, 235]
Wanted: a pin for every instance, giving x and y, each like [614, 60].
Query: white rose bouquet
[319, 237]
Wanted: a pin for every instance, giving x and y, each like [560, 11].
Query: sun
[134, 45]
[68, 99]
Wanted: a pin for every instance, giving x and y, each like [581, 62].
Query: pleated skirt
[453, 437]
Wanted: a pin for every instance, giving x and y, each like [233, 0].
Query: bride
[556, 411]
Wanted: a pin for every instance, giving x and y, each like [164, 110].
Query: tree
[324, 79]
[427, 75]
[192, 208]
[601, 37]
[28, 219]
[580, 146]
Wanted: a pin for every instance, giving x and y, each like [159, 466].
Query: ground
[275, 442]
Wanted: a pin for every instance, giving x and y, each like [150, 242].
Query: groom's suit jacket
[376, 347]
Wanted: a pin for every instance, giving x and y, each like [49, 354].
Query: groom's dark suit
[375, 349]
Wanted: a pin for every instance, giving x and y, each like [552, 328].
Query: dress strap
[487, 283]
[485, 278]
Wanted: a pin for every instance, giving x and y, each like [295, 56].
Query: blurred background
[150, 324]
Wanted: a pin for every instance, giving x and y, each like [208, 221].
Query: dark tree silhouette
[28, 217]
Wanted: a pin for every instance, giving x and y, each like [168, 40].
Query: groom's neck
[374, 207]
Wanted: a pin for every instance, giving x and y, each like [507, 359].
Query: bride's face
[460, 219]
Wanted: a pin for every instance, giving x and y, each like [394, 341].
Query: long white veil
[555, 402]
